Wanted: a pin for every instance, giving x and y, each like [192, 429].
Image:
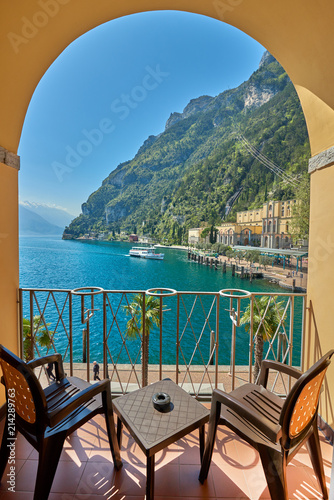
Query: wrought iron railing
[199, 340]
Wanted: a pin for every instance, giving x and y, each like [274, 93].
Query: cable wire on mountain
[266, 162]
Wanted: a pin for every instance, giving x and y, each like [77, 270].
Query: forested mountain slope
[184, 177]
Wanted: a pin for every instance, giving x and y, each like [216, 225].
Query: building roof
[274, 251]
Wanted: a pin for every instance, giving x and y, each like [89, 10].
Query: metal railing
[198, 340]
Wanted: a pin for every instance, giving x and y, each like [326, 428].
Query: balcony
[86, 471]
[201, 345]
[199, 342]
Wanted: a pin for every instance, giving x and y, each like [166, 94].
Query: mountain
[32, 224]
[52, 214]
[187, 175]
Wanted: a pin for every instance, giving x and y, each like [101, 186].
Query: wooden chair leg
[313, 446]
[274, 466]
[47, 465]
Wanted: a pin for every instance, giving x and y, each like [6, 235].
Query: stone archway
[299, 34]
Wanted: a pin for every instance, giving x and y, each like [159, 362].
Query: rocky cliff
[184, 176]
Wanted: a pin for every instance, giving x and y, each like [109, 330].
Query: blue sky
[115, 86]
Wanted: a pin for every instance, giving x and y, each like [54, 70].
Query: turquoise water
[50, 262]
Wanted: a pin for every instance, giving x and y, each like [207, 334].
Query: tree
[134, 327]
[213, 234]
[267, 314]
[265, 261]
[251, 256]
[41, 335]
[205, 232]
[300, 217]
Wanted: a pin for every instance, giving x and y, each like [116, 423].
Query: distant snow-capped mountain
[51, 213]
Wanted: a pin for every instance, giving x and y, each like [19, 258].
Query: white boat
[145, 253]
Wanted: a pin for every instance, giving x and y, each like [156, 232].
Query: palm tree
[41, 336]
[267, 314]
[134, 327]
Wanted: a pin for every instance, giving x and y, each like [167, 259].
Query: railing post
[88, 356]
[234, 330]
[84, 345]
[70, 312]
[105, 364]
[292, 305]
[160, 346]
[30, 354]
[217, 342]
[20, 307]
[251, 337]
[177, 338]
[302, 344]
[212, 347]
[144, 346]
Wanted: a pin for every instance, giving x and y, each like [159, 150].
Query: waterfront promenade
[283, 277]
[287, 278]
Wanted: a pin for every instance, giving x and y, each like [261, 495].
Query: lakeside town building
[266, 227]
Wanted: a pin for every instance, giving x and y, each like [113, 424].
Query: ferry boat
[145, 253]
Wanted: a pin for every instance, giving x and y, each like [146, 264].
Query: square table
[152, 429]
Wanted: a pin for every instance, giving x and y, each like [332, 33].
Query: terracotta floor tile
[23, 449]
[229, 482]
[102, 479]
[86, 470]
[61, 496]
[167, 481]
[190, 485]
[26, 477]
[168, 456]
[301, 485]
[98, 479]
[189, 449]
[18, 495]
[18, 465]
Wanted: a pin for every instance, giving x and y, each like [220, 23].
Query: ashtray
[161, 401]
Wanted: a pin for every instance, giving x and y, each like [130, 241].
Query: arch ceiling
[298, 34]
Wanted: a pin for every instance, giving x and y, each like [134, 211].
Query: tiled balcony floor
[86, 471]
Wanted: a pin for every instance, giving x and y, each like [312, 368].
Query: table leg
[119, 431]
[201, 441]
[150, 478]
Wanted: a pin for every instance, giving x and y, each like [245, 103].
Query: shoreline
[276, 274]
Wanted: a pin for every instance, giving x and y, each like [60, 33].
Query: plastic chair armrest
[80, 398]
[272, 431]
[267, 364]
[51, 358]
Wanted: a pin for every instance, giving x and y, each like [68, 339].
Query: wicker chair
[45, 417]
[276, 428]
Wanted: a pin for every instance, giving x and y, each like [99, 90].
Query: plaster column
[9, 252]
[320, 337]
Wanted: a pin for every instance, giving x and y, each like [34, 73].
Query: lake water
[49, 262]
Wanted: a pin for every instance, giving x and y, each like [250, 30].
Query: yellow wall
[321, 278]
[9, 258]
[305, 50]
[298, 34]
